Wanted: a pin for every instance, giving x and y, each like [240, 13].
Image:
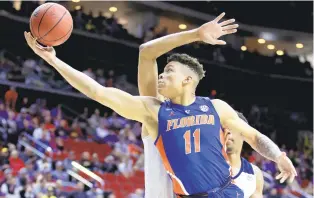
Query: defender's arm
[150, 51]
[259, 183]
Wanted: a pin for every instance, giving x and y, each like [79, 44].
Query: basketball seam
[54, 25]
[42, 18]
[60, 37]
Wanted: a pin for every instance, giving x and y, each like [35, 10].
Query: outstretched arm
[113, 98]
[150, 51]
[259, 142]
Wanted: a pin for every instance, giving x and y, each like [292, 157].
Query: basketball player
[157, 182]
[186, 129]
[248, 177]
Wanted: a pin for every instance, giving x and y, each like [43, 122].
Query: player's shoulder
[223, 109]
[218, 103]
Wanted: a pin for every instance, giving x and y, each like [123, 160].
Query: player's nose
[161, 76]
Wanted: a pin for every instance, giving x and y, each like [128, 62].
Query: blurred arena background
[55, 142]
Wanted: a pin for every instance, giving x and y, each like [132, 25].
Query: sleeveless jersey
[191, 144]
[245, 179]
[157, 181]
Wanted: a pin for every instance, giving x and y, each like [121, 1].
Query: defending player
[186, 129]
[248, 177]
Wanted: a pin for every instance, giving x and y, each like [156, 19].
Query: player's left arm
[259, 183]
[258, 141]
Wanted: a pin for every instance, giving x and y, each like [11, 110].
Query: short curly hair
[190, 62]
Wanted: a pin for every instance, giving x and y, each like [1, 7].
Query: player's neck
[185, 100]
[235, 160]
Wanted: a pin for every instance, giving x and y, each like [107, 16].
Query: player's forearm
[157, 47]
[266, 147]
[77, 79]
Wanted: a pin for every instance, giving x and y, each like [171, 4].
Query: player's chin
[162, 90]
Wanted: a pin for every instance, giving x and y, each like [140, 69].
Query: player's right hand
[211, 31]
[46, 53]
[286, 168]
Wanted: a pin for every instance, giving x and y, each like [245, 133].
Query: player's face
[234, 142]
[171, 81]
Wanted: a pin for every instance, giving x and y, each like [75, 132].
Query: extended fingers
[219, 17]
[283, 176]
[225, 32]
[227, 22]
[229, 27]
[280, 175]
[291, 178]
[220, 42]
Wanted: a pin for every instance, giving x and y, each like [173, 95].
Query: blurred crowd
[253, 61]
[37, 74]
[25, 174]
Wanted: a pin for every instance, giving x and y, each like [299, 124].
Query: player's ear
[187, 80]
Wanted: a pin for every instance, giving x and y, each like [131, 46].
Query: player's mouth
[161, 83]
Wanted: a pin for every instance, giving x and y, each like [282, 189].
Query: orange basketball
[51, 24]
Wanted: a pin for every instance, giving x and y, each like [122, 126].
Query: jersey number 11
[187, 139]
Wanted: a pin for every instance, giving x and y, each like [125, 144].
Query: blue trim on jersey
[246, 167]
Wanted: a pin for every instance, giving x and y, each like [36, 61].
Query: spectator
[85, 160]
[59, 173]
[95, 119]
[67, 162]
[3, 112]
[80, 192]
[39, 132]
[4, 158]
[96, 163]
[116, 122]
[10, 98]
[63, 130]
[16, 163]
[110, 165]
[44, 164]
[10, 189]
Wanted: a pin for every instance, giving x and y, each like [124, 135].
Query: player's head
[234, 141]
[182, 73]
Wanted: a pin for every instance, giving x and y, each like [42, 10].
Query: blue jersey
[191, 144]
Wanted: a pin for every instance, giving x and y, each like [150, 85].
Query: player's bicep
[230, 119]
[126, 105]
[259, 183]
[147, 76]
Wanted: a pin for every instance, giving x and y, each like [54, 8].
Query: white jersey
[157, 182]
[245, 179]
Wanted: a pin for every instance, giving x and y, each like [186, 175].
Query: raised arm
[259, 142]
[150, 51]
[113, 98]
